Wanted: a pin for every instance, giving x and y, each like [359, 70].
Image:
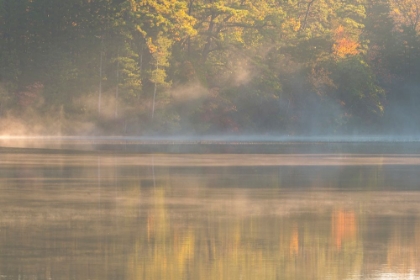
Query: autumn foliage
[279, 67]
[344, 45]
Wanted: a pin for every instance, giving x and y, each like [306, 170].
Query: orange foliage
[344, 45]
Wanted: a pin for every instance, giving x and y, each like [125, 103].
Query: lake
[210, 211]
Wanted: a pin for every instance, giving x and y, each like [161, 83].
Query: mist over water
[241, 82]
[198, 139]
[194, 112]
[228, 139]
[113, 216]
[340, 150]
[399, 124]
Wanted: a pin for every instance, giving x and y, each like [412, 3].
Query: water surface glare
[112, 215]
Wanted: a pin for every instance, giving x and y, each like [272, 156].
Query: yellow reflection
[173, 246]
[163, 250]
[185, 228]
[403, 252]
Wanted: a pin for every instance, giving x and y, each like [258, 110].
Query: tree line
[212, 66]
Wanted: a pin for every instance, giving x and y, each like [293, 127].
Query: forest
[206, 67]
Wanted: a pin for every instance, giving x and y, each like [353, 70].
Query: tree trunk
[206, 49]
[118, 80]
[154, 92]
[305, 20]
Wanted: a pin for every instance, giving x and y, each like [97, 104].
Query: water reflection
[89, 216]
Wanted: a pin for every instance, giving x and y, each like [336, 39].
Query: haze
[202, 68]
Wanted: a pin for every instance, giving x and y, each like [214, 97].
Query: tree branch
[305, 20]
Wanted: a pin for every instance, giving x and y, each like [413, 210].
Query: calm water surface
[103, 215]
